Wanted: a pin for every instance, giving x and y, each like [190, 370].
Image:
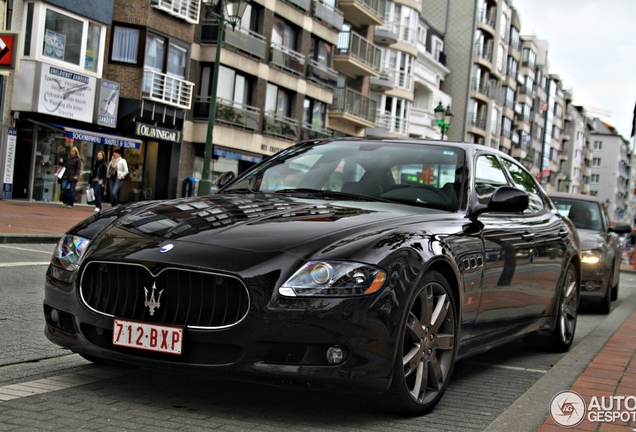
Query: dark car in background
[356, 265]
[600, 247]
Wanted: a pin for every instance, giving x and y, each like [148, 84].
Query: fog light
[589, 286]
[335, 355]
[55, 316]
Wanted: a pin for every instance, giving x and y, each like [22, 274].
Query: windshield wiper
[241, 191]
[330, 194]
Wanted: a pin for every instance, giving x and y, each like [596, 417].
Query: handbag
[112, 171]
[90, 195]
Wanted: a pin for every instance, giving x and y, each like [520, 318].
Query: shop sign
[66, 94]
[155, 132]
[9, 163]
[96, 138]
[8, 49]
[108, 104]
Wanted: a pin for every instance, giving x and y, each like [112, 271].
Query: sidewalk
[30, 222]
[601, 365]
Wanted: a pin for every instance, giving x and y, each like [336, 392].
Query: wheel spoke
[412, 360]
[570, 291]
[419, 385]
[440, 312]
[444, 341]
[437, 375]
[414, 327]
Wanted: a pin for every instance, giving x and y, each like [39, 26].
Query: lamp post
[444, 117]
[231, 11]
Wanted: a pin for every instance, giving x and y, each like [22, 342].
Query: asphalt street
[53, 389]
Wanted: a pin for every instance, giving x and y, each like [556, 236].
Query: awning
[100, 138]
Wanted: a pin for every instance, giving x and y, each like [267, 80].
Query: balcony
[301, 4]
[387, 34]
[287, 60]
[280, 127]
[477, 124]
[384, 82]
[187, 10]
[228, 112]
[481, 53]
[160, 87]
[356, 56]
[310, 132]
[353, 107]
[363, 12]
[486, 20]
[394, 125]
[241, 39]
[328, 15]
[321, 74]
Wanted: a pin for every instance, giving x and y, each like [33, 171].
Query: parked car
[600, 247]
[356, 265]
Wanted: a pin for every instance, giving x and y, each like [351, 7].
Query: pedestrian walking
[73, 165]
[117, 172]
[98, 177]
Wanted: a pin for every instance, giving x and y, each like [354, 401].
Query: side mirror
[225, 179]
[505, 199]
[621, 228]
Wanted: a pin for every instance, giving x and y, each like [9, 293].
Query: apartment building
[577, 168]
[610, 170]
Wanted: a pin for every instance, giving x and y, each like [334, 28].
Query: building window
[56, 36]
[314, 114]
[278, 101]
[529, 58]
[598, 145]
[595, 178]
[321, 52]
[596, 162]
[125, 45]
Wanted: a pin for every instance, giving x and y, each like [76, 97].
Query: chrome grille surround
[189, 298]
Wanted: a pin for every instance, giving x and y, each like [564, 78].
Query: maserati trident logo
[151, 302]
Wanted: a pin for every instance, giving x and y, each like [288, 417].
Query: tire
[603, 307]
[615, 292]
[426, 349]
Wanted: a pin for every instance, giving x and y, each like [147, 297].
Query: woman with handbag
[98, 176]
[71, 176]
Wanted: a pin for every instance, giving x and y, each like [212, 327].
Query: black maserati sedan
[353, 265]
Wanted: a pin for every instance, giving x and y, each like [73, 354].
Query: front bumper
[280, 342]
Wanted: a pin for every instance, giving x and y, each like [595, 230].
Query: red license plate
[151, 337]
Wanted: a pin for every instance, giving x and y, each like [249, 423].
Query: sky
[593, 49]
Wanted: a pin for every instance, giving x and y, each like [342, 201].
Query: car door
[508, 281]
[549, 247]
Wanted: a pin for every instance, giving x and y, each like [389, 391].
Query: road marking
[515, 368]
[25, 264]
[55, 383]
[28, 250]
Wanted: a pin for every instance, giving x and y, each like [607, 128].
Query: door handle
[529, 236]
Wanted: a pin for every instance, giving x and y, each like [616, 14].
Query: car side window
[489, 175]
[524, 181]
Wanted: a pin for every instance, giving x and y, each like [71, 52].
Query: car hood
[258, 222]
[590, 239]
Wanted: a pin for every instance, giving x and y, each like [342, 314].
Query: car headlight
[69, 252]
[333, 279]
[591, 256]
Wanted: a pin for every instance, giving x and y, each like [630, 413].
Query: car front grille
[173, 296]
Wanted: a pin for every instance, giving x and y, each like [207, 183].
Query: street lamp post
[234, 10]
[444, 117]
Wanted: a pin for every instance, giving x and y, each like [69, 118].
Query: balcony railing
[281, 127]
[184, 9]
[352, 44]
[327, 14]
[476, 121]
[162, 88]
[287, 59]
[302, 4]
[309, 132]
[351, 102]
[481, 52]
[228, 112]
[240, 38]
[363, 12]
[484, 17]
[393, 124]
[405, 80]
[321, 74]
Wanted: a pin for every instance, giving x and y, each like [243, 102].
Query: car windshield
[584, 215]
[409, 173]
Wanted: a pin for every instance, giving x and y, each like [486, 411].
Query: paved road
[45, 387]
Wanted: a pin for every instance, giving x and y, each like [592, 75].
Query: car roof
[580, 197]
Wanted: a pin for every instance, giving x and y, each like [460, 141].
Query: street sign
[8, 49]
